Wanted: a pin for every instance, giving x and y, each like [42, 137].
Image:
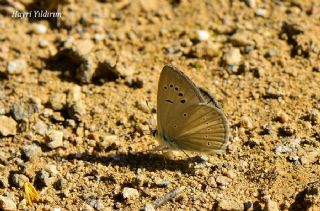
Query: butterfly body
[188, 117]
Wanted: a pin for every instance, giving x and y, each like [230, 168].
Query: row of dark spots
[177, 89]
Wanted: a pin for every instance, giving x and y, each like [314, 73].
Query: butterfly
[188, 117]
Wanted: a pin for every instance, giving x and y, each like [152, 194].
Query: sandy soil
[74, 122]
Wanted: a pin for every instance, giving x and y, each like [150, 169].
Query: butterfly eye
[176, 88]
[183, 101]
[208, 143]
[180, 94]
[165, 87]
[184, 114]
[171, 85]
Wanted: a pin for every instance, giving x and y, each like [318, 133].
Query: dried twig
[172, 194]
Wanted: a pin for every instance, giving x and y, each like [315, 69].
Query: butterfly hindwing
[201, 128]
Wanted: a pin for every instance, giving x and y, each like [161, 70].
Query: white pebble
[130, 193]
[7, 204]
[56, 139]
[17, 66]
[39, 28]
[261, 12]
[203, 35]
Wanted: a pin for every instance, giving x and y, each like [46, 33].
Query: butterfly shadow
[150, 162]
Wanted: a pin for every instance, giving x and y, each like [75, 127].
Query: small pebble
[87, 207]
[8, 126]
[130, 193]
[7, 204]
[45, 178]
[232, 57]
[4, 182]
[223, 181]
[18, 180]
[57, 101]
[148, 207]
[55, 138]
[310, 157]
[31, 152]
[203, 35]
[246, 122]
[17, 66]
[162, 182]
[271, 205]
[251, 3]
[260, 12]
[212, 182]
[283, 117]
[22, 111]
[41, 127]
[230, 205]
[43, 43]
[39, 28]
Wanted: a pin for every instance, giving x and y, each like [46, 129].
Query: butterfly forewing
[175, 92]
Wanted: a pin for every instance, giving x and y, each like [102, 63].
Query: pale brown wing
[199, 128]
[175, 92]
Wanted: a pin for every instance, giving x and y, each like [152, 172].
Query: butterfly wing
[200, 128]
[175, 92]
[208, 98]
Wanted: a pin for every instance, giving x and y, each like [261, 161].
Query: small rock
[143, 106]
[251, 3]
[271, 205]
[22, 111]
[270, 53]
[230, 205]
[241, 39]
[56, 209]
[212, 182]
[8, 126]
[246, 122]
[206, 50]
[162, 182]
[107, 141]
[39, 28]
[31, 152]
[77, 110]
[57, 101]
[283, 117]
[261, 12]
[130, 193]
[17, 66]
[43, 43]
[231, 174]
[7, 204]
[148, 207]
[223, 181]
[45, 178]
[4, 182]
[55, 138]
[288, 146]
[18, 180]
[203, 35]
[87, 207]
[99, 205]
[232, 57]
[74, 95]
[41, 127]
[99, 37]
[310, 157]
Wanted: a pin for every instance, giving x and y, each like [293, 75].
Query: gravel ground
[74, 120]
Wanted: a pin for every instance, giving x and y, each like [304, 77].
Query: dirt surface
[74, 121]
